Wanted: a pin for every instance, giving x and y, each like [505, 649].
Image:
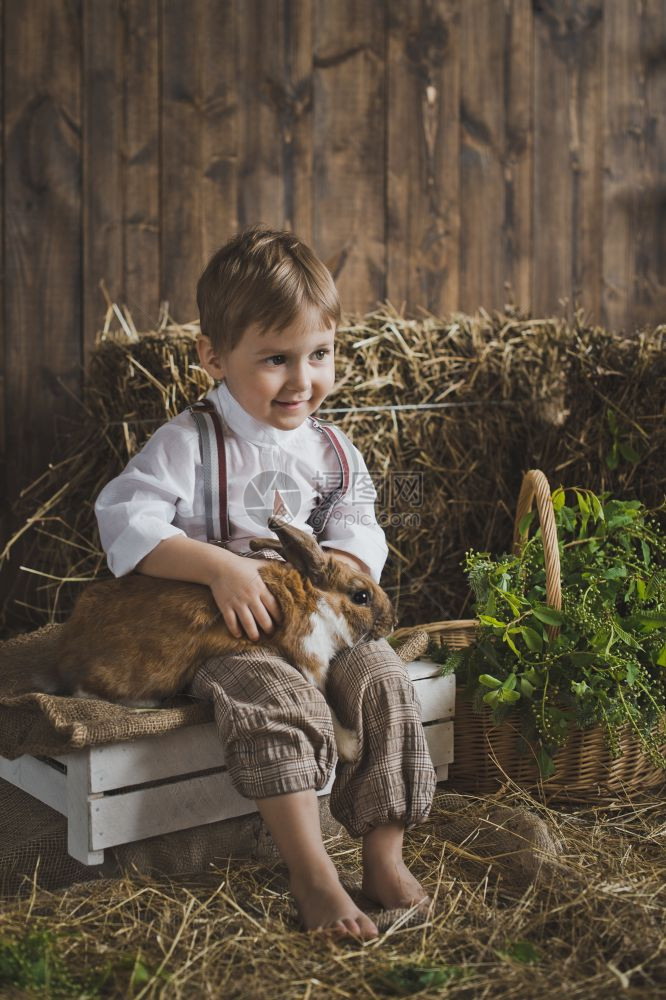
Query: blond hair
[265, 277]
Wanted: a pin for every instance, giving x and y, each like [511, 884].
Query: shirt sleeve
[352, 526]
[135, 510]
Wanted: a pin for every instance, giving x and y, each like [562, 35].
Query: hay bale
[447, 412]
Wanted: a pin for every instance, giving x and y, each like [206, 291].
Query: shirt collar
[247, 427]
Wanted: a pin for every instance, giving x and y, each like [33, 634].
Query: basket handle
[536, 485]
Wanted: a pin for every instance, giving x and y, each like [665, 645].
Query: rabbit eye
[360, 597]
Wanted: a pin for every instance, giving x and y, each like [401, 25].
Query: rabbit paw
[346, 740]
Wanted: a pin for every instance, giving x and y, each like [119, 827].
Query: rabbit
[137, 640]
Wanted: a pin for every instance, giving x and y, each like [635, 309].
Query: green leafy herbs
[602, 659]
[404, 979]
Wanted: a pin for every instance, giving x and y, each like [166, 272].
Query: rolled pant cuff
[393, 808]
[254, 782]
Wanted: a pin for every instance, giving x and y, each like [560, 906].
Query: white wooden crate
[121, 792]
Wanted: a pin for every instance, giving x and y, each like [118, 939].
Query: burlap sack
[32, 723]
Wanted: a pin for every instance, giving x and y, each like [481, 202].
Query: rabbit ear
[301, 550]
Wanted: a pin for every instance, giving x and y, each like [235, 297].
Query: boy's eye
[279, 358]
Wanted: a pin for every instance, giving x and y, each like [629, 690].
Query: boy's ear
[209, 358]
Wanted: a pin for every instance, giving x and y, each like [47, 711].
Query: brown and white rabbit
[138, 639]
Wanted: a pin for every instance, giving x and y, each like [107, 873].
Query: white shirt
[160, 491]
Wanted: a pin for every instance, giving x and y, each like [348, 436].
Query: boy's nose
[299, 381]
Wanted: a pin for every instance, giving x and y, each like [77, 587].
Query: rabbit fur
[137, 640]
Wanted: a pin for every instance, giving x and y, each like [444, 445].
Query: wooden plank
[79, 803]
[349, 136]
[141, 167]
[132, 762]
[121, 161]
[422, 175]
[439, 738]
[566, 157]
[201, 102]
[102, 160]
[437, 696]
[261, 41]
[482, 123]
[518, 157]
[42, 227]
[38, 779]
[634, 196]
[147, 812]
[423, 668]
[293, 97]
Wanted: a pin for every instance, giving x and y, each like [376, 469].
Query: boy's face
[264, 372]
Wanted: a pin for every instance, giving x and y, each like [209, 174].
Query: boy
[269, 311]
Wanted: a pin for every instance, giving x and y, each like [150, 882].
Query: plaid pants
[278, 737]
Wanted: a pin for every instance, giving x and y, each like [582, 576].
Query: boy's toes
[361, 928]
[368, 928]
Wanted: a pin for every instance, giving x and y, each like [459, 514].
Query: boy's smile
[278, 378]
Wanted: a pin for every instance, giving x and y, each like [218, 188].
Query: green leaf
[620, 521]
[526, 688]
[533, 639]
[549, 616]
[582, 659]
[628, 452]
[406, 978]
[596, 507]
[487, 650]
[523, 951]
[661, 657]
[491, 698]
[641, 589]
[612, 421]
[525, 522]
[649, 621]
[613, 573]
[488, 620]
[582, 502]
[511, 644]
[612, 460]
[545, 762]
[488, 681]
[510, 683]
[140, 974]
[558, 498]
[508, 696]
[645, 548]
[624, 636]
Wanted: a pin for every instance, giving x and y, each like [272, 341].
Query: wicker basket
[487, 754]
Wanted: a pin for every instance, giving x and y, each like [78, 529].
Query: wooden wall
[436, 152]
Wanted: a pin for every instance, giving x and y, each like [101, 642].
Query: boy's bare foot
[293, 821]
[393, 885]
[324, 905]
[386, 877]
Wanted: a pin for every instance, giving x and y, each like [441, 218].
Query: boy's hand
[244, 600]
